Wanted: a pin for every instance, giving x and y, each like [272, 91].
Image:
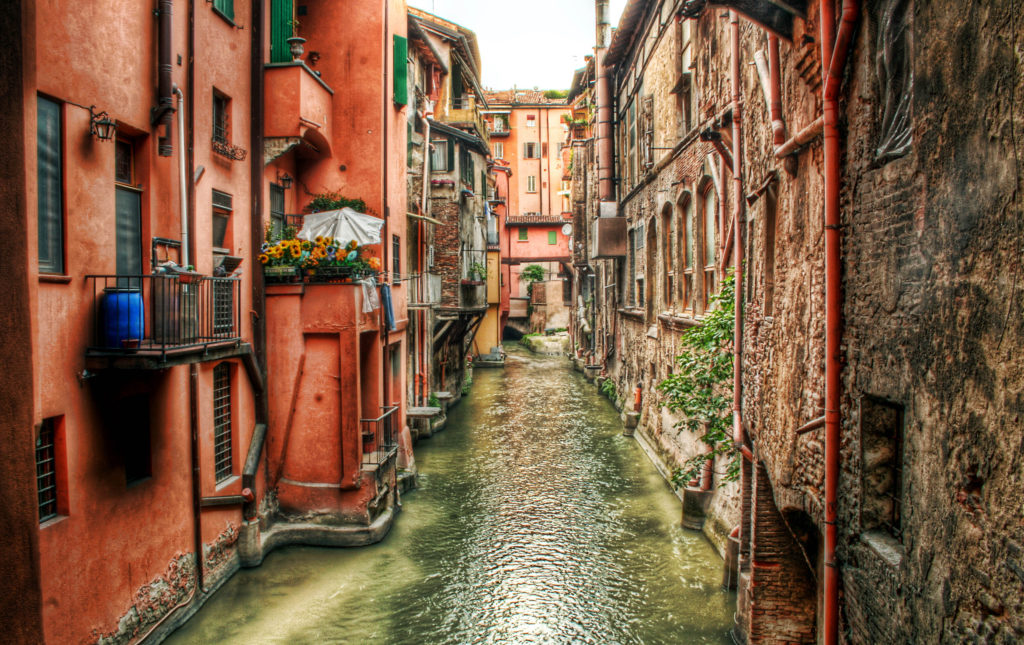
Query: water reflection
[536, 522]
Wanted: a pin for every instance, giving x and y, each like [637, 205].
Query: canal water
[536, 521]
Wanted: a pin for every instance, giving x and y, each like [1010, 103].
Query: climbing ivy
[701, 387]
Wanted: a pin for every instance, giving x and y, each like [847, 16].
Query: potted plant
[332, 261]
[282, 260]
[477, 272]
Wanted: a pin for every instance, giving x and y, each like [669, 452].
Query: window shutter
[451, 154]
[226, 7]
[128, 234]
[401, 67]
[552, 237]
[280, 30]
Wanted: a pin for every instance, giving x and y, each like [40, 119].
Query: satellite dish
[567, 229]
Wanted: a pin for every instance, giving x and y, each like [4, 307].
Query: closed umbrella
[345, 225]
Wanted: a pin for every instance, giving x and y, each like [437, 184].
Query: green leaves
[700, 389]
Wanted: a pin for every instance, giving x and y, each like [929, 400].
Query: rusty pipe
[737, 246]
[801, 138]
[775, 90]
[605, 181]
[833, 59]
[162, 114]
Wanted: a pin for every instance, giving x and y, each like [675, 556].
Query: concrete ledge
[695, 507]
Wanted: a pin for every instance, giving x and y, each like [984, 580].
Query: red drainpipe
[737, 247]
[775, 91]
[833, 60]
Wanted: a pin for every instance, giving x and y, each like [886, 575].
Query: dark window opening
[131, 419]
[881, 426]
[396, 254]
[49, 175]
[221, 122]
[221, 218]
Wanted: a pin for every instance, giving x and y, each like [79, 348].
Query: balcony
[608, 235]
[464, 110]
[424, 291]
[157, 321]
[298, 104]
[380, 439]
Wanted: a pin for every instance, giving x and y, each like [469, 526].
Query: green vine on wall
[701, 387]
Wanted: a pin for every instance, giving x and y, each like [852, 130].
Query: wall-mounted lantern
[101, 125]
[285, 180]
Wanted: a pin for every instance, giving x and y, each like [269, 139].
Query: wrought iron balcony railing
[163, 314]
[380, 438]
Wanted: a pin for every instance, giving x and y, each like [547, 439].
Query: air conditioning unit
[608, 233]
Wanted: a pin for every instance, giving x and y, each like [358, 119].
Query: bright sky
[527, 43]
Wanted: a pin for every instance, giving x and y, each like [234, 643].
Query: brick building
[859, 163]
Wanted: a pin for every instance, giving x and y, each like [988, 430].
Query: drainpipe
[737, 246]
[197, 523]
[606, 185]
[775, 91]
[833, 60]
[422, 377]
[165, 102]
[182, 177]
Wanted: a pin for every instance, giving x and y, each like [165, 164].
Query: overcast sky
[527, 43]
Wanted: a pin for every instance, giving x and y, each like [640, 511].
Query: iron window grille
[222, 449]
[46, 470]
[396, 254]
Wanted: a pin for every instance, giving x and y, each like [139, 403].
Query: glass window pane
[49, 155]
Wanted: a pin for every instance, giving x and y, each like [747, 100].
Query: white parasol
[345, 225]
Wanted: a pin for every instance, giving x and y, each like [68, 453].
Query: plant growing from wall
[332, 201]
[532, 273]
[701, 387]
[608, 389]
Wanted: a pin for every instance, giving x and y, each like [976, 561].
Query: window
[531, 120]
[401, 64]
[523, 233]
[531, 150]
[689, 216]
[440, 156]
[396, 254]
[221, 118]
[500, 123]
[709, 243]
[225, 8]
[631, 154]
[132, 422]
[552, 237]
[632, 267]
[221, 240]
[466, 167]
[46, 469]
[276, 210]
[128, 211]
[881, 427]
[668, 256]
[499, 150]
[223, 455]
[50, 159]
[531, 184]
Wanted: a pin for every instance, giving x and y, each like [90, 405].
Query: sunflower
[263, 258]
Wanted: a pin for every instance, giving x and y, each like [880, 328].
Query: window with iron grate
[223, 453]
[46, 470]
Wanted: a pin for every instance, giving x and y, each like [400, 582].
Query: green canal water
[536, 521]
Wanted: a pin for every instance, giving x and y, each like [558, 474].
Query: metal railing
[424, 290]
[380, 437]
[162, 313]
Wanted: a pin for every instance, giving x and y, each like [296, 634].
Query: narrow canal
[536, 521]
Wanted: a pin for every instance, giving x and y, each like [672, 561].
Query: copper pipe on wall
[801, 138]
[606, 184]
[165, 100]
[775, 91]
[833, 60]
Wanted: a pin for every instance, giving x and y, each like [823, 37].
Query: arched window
[710, 208]
[686, 249]
[668, 256]
[651, 289]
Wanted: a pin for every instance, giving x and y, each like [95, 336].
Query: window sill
[636, 314]
[680, 322]
[55, 278]
[53, 521]
[226, 483]
[885, 546]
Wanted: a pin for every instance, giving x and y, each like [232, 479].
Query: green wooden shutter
[552, 237]
[226, 7]
[401, 54]
[451, 154]
[280, 30]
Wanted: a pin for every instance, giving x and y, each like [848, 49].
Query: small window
[46, 469]
[49, 175]
[499, 150]
[531, 184]
[221, 220]
[221, 117]
[124, 163]
[131, 421]
[531, 150]
[223, 454]
[523, 234]
[552, 237]
[276, 211]
[396, 254]
[439, 156]
[881, 427]
[531, 120]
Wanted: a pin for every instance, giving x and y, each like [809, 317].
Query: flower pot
[330, 274]
[280, 274]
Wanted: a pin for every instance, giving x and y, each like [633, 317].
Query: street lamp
[101, 125]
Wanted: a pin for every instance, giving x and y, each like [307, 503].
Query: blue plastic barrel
[123, 317]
